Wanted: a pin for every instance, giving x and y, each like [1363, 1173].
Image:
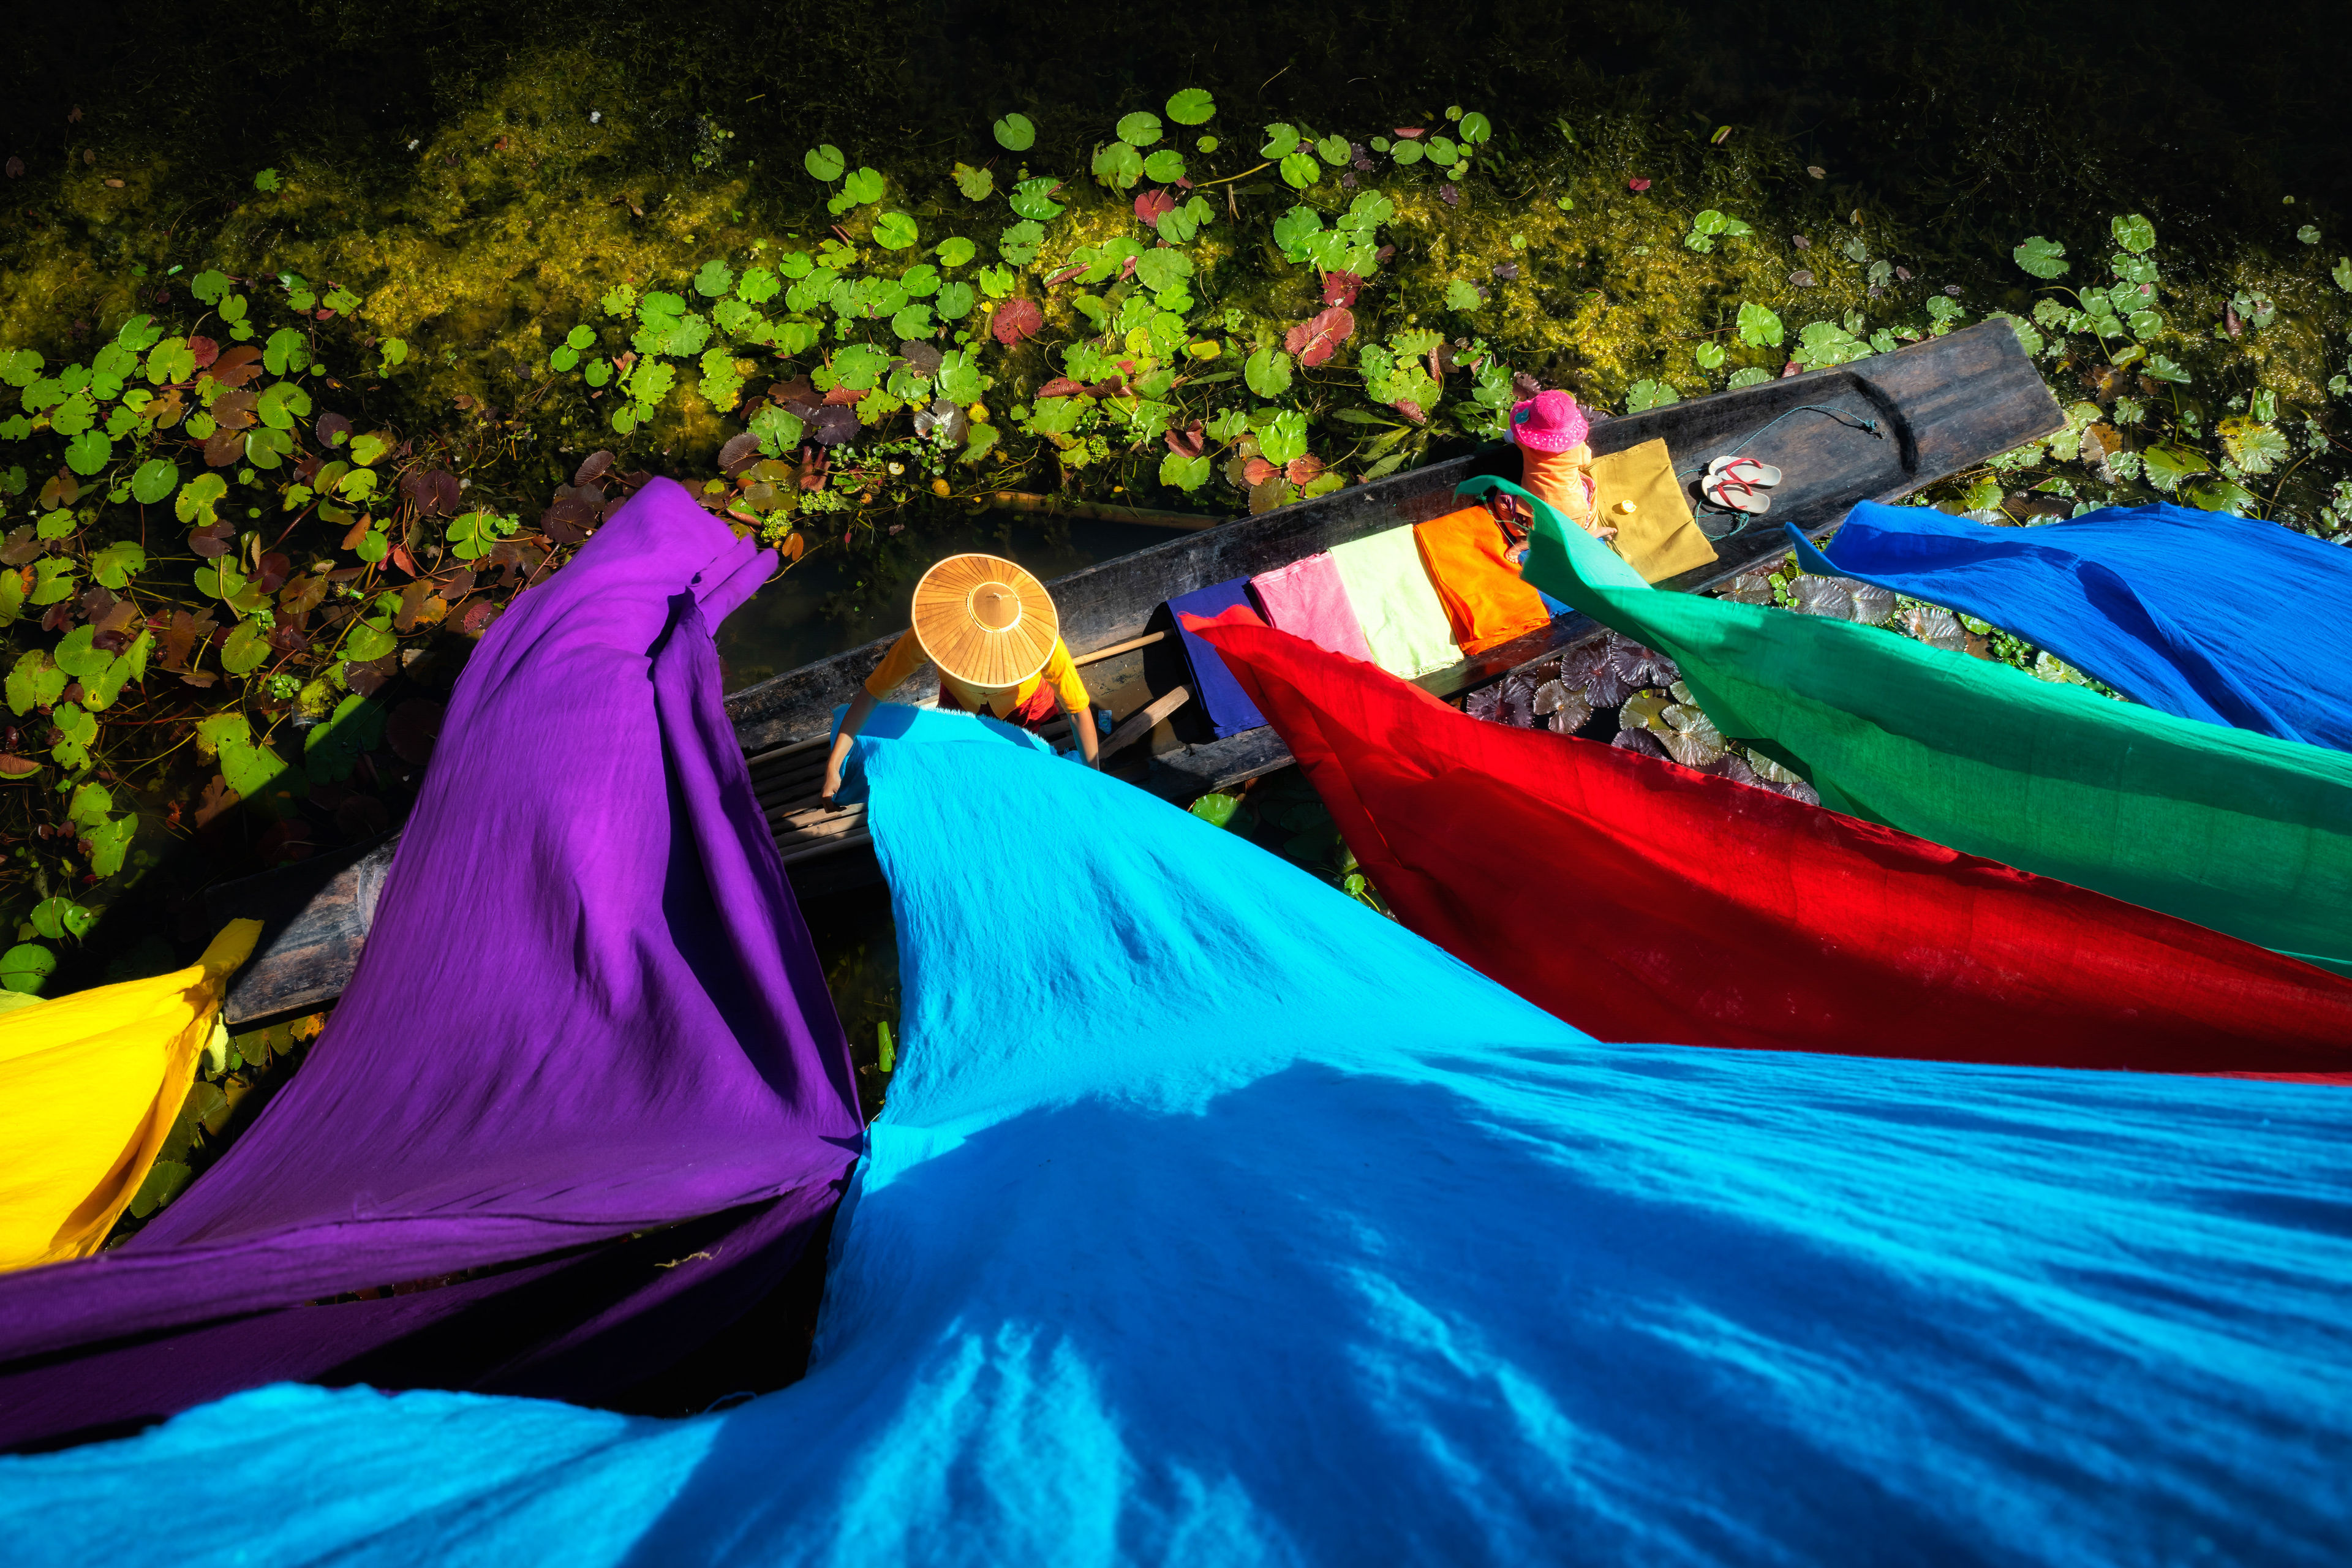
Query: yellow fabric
[89, 1085]
[906, 657]
[1658, 538]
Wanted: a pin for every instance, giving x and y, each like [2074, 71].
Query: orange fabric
[1564, 479]
[1476, 582]
[1060, 674]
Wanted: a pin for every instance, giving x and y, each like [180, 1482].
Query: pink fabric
[1307, 600]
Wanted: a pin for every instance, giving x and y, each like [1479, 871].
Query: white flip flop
[1735, 494]
[1746, 470]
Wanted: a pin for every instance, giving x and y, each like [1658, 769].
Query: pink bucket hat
[1548, 422]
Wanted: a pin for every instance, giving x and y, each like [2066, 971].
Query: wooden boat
[1899, 421]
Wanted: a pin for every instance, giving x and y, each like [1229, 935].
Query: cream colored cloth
[1658, 538]
[1404, 622]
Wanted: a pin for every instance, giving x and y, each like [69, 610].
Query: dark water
[830, 603]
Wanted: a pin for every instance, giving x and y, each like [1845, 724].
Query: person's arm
[1082, 725]
[860, 708]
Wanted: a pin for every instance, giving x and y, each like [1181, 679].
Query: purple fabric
[588, 1008]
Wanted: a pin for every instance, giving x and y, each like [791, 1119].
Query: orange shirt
[906, 655]
[1562, 478]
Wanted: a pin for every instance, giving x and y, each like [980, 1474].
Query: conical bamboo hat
[986, 621]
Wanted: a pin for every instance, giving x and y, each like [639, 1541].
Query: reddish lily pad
[1017, 319]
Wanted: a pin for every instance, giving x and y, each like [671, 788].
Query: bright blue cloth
[2199, 613]
[1215, 1219]
[1229, 708]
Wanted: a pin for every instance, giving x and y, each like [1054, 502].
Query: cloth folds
[1404, 625]
[89, 1085]
[587, 1008]
[2227, 619]
[1486, 602]
[1215, 1219]
[2239, 832]
[1659, 537]
[1641, 900]
[1226, 705]
[1307, 599]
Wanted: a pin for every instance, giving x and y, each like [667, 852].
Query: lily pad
[1166, 167]
[1191, 106]
[1268, 373]
[1281, 141]
[864, 187]
[1299, 170]
[1759, 328]
[955, 250]
[2042, 258]
[975, 183]
[1119, 166]
[2133, 232]
[154, 480]
[1015, 134]
[824, 162]
[895, 231]
[1034, 199]
[25, 967]
[1140, 129]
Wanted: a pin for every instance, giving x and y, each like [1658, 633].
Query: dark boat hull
[1943, 406]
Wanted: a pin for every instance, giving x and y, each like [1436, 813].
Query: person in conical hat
[990, 630]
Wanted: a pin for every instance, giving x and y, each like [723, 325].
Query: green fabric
[2243, 833]
[1404, 622]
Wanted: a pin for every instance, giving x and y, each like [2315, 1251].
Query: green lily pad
[864, 187]
[2133, 232]
[955, 250]
[1708, 355]
[2042, 258]
[1015, 134]
[119, 563]
[1117, 164]
[975, 183]
[1034, 199]
[1166, 166]
[2220, 495]
[1299, 170]
[1217, 810]
[1462, 296]
[1649, 393]
[1268, 373]
[895, 231]
[25, 967]
[715, 282]
[1334, 151]
[1140, 129]
[1179, 472]
[1475, 128]
[1408, 152]
[1281, 141]
[154, 479]
[86, 453]
[824, 162]
[59, 918]
[1191, 106]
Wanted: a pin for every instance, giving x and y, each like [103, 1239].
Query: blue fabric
[1215, 1219]
[1229, 708]
[2197, 613]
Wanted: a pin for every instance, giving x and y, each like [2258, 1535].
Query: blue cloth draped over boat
[2226, 619]
[1213, 1218]
[588, 1036]
[1230, 711]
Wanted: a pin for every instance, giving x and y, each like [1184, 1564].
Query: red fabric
[1644, 901]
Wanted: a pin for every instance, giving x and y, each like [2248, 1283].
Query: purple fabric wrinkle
[588, 1007]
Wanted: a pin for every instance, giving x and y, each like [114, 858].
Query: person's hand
[832, 787]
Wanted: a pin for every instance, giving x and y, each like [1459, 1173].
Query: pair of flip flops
[1738, 484]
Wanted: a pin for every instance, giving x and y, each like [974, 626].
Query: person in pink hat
[1555, 461]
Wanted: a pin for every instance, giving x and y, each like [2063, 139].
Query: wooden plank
[1139, 724]
[1082, 660]
[316, 916]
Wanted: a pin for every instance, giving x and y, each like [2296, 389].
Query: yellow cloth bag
[1658, 538]
[89, 1085]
